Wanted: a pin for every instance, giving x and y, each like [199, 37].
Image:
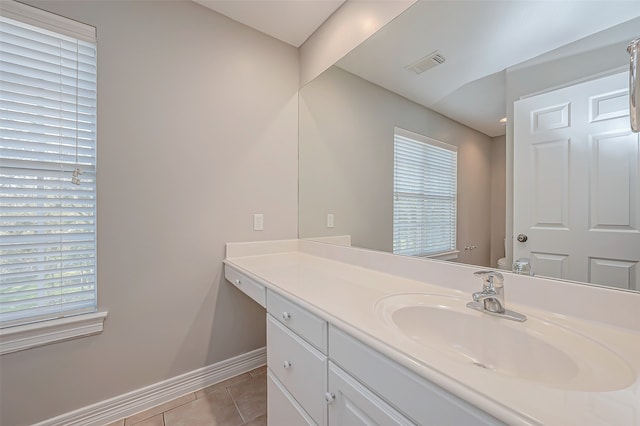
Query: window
[47, 166]
[424, 191]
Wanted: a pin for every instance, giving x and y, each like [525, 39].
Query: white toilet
[502, 262]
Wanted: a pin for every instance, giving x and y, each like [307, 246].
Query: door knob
[522, 238]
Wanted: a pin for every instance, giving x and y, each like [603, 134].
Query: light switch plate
[258, 222]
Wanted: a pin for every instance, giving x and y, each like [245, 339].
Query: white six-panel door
[576, 184]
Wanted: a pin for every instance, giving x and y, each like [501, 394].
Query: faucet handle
[490, 279]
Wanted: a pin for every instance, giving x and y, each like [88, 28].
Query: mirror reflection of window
[424, 195]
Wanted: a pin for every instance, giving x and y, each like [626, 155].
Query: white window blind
[424, 189]
[47, 131]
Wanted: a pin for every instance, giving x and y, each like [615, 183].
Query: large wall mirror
[453, 72]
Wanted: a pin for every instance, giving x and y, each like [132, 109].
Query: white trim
[125, 405]
[450, 255]
[424, 139]
[47, 20]
[612, 71]
[21, 337]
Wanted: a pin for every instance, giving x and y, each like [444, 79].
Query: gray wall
[346, 129]
[197, 130]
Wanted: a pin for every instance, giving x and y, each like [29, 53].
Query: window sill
[29, 336]
[450, 255]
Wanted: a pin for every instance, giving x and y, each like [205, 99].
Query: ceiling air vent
[428, 62]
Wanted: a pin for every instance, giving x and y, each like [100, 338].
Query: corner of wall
[349, 26]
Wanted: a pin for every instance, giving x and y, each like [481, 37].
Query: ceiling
[470, 86]
[479, 40]
[291, 21]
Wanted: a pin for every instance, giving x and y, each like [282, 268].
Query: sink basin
[536, 350]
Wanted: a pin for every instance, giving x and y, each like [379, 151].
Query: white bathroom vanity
[362, 337]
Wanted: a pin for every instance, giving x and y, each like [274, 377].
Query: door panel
[551, 264]
[614, 273]
[550, 179]
[614, 192]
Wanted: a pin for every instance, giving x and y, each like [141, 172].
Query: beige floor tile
[258, 371]
[251, 397]
[136, 418]
[223, 384]
[118, 423]
[157, 420]
[214, 409]
[258, 421]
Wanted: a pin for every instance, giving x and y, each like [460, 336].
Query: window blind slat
[24, 120]
[37, 168]
[20, 196]
[37, 257]
[20, 88]
[50, 309]
[84, 147]
[65, 269]
[22, 98]
[58, 301]
[62, 67]
[48, 128]
[10, 135]
[425, 197]
[16, 292]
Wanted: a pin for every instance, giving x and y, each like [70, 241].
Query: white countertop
[346, 295]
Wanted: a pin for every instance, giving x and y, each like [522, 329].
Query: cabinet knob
[286, 364]
[522, 238]
[329, 397]
[238, 281]
[286, 316]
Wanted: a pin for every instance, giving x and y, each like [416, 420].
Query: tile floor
[238, 401]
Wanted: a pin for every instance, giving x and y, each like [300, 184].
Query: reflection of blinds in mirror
[424, 191]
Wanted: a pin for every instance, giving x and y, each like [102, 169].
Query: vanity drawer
[302, 322]
[282, 409]
[299, 367]
[246, 285]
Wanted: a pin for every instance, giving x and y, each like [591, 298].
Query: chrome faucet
[491, 299]
[492, 294]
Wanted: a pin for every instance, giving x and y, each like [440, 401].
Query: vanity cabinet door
[417, 398]
[351, 404]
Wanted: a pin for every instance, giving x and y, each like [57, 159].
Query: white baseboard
[133, 402]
